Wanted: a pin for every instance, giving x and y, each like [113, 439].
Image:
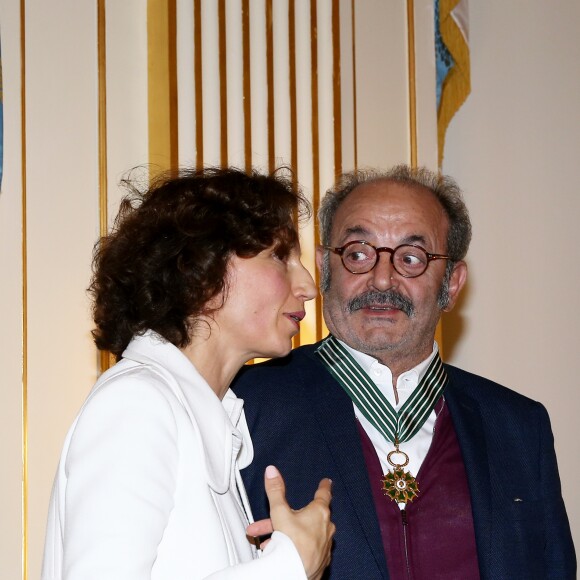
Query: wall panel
[319, 85]
[12, 380]
[62, 218]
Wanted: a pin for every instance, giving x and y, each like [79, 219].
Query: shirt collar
[222, 426]
[412, 376]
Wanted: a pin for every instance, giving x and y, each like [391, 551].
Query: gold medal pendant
[399, 484]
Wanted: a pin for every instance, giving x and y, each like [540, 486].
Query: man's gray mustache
[388, 298]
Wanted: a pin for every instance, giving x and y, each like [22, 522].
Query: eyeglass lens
[408, 260]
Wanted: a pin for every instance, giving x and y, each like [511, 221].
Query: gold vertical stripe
[354, 116]
[162, 83]
[412, 82]
[105, 358]
[315, 143]
[337, 90]
[247, 87]
[293, 106]
[198, 72]
[223, 71]
[24, 294]
[173, 128]
[413, 117]
[292, 86]
[270, 86]
[102, 75]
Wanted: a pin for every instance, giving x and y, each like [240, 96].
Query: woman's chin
[275, 353]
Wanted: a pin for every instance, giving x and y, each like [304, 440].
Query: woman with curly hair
[200, 274]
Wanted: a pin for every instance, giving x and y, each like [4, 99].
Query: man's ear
[319, 257]
[456, 283]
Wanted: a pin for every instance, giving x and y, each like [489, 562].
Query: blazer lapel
[468, 425]
[334, 410]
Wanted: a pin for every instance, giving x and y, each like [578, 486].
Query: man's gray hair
[443, 187]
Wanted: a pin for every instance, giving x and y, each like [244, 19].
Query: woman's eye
[280, 256]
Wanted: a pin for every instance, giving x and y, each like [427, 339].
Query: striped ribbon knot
[394, 426]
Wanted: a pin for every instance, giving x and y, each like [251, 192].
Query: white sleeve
[120, 466]
[280, 560]
[120, 470]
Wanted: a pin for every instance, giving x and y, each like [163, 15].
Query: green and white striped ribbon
[393, 425]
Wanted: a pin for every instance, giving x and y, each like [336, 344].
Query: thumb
[275, 488]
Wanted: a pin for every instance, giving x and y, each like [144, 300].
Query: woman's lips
[296, 317]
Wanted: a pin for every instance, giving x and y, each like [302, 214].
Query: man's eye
[411, 260]
[356, 256]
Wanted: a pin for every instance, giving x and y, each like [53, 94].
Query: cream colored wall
[514, 147]
[47, 355]
[11, 308]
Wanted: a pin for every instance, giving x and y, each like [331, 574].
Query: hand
[257, 529]
[309, 528]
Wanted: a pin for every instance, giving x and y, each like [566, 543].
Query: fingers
[260, 528]
[324, 492]
[275, 488]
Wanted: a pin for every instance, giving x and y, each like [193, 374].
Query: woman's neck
[214, 360]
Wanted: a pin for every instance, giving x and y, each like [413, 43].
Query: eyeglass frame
[430, 257]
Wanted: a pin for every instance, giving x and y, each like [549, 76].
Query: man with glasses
[437, 473]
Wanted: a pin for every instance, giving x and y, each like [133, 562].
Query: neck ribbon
[397, 426]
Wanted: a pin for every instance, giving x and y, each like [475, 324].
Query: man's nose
[383, 275]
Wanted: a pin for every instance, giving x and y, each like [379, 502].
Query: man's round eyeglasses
[409, 260]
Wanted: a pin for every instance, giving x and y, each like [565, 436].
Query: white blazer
[148, 484]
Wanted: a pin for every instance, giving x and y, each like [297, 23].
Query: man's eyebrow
[355, 230]
[363, 233]
[414, 239]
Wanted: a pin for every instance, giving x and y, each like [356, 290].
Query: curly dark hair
[168, 253]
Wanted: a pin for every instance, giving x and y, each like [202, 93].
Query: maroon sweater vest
[433, 538]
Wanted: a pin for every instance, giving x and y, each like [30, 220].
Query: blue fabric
[443, 60]
[303, 422]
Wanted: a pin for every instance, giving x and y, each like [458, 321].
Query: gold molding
[293, 107]
[355, 127]
[247, 87]
[24, 293]
[413, 118]
[102, 75]
[270, 88]
[315, 144]
[223, 72]
[292, 89]
[412, 82]
[337, 90]
[162, 83]
[197, 72]
[106, 359]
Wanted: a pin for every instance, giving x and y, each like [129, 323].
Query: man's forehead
[387, 188]
[381, 205]
[379, 198]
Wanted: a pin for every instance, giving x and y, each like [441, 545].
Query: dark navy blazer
[303, 422]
